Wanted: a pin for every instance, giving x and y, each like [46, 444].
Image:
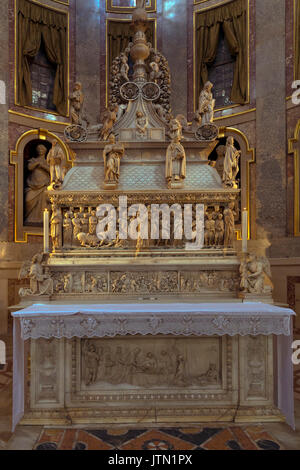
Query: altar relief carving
[154, 363]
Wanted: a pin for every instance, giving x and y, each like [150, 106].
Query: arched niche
[25, 150]
[247, 188]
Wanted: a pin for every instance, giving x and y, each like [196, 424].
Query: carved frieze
[144, 282]
[151, 363]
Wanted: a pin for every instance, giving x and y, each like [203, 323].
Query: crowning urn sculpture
[139, 161]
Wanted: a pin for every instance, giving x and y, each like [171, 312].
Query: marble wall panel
[270, 117]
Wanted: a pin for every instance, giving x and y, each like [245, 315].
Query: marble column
[271, 117]
[88, 55]
[4, 154]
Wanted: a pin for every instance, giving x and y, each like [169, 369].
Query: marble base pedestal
[161, 379]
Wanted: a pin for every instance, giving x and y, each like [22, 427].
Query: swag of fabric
[37, 24]
[297, 45]
[119, 35]
[232, 18]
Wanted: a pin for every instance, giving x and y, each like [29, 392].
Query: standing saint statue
[112, 154]
[206, 104]
[124, 69]
[57, 162]
[56, 220]
[36, 185]
[76, 102]
[110, 117]
[175, 161]
[231, 164]
[229, 215]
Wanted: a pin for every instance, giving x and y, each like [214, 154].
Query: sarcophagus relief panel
[165, 369]
[154, 363]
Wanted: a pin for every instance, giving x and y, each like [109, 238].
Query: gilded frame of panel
[293, 148]
[22, 231]
[201, 10]
[111, 8]
[106, 46]
[41, 110]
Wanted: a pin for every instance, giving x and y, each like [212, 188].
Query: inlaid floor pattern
[249, 437]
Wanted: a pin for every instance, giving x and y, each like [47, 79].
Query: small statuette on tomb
[229, 215]
[109, 119]
[175, 159]
[141, 122]
[206, 104]
[112, 154]
[58, 166]
[76, 102]
[231, 164]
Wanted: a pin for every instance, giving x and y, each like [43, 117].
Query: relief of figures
[149, 363]
[144, 282]
[197, 281]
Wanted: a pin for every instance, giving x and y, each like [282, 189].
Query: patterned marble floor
[162, 439]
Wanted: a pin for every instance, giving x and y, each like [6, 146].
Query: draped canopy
[36, 24]
[232, 17]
